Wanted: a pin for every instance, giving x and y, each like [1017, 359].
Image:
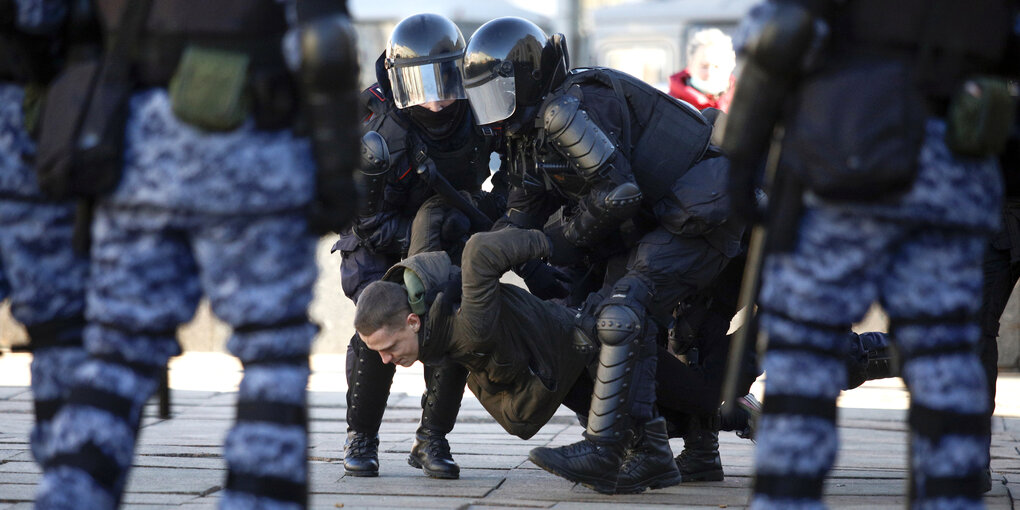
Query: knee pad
[618, 324]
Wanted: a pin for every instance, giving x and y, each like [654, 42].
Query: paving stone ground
[179, 464]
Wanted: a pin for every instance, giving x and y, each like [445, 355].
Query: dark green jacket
[517, 347]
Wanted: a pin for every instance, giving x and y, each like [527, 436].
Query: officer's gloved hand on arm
[564, 252]
[456, 227]
[543, 280]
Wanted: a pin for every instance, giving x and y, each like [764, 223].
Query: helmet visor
[432, 81]
[492, 100]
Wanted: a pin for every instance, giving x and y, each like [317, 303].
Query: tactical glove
[543, 280]
[564, 253]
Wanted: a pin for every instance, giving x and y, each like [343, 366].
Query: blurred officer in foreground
[640, 193]
[39, 271]
[219, 195]
[419, 111]
[891, 138]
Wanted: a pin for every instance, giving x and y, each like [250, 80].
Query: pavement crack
[210, 490]
[490, 491]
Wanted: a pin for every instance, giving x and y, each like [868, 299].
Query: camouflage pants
[928, 279]
[195, 213]
[39, 271]
[150, 271]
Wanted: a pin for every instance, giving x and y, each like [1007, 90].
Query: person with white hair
[707, 79]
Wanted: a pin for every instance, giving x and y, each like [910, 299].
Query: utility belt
[216, 83]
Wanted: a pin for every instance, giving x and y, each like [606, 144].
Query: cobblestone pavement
[179, 463]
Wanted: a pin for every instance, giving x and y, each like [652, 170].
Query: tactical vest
[252, 27]
[466, 166]
[663, 137]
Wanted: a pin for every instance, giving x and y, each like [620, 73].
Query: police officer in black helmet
[604, 158]
[419, 112]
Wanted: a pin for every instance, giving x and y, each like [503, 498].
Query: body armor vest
[463, 159]
[662, 138]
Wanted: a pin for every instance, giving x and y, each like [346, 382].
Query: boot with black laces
[593, 465]
[444, 389]
[699, 461]
[649, 463]
[431, 454]
[361, 454]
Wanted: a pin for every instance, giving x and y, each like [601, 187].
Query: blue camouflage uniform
[220, 214]
[39, 270]
[920, 258]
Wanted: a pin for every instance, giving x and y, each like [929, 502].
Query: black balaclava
[441, 124]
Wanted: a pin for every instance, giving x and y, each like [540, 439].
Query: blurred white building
[649, 39]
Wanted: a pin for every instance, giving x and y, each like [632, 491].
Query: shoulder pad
[373, 102]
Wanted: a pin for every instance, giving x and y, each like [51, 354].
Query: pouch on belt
[208, 90]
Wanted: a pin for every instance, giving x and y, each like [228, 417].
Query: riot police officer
[623, 161]
[418, 109]
[901, 194]
[40, 273]
[219, 195]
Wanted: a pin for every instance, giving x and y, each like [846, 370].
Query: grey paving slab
[355, 501]
[19, 466]
[183, 481]
[17, 492]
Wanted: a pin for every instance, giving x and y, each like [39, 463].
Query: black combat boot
[444, 389]
[742, 418]
[649, 463]
[361, 454]
[368, 387]
[593, 465]
[431, 454]
[621, 328]
[699, 461]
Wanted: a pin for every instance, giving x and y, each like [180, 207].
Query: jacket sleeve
[487, 256]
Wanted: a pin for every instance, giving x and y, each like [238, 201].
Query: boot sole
[442, 475]
[363, 474]
[659, 482]
[703, 476]
[600, 486]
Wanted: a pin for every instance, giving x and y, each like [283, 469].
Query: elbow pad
[371, 179]
[569, 129]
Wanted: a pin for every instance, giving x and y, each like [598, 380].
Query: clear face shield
[422, 80]
[492, 96]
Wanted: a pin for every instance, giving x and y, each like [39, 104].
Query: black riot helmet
[422, 60]
[510, 63]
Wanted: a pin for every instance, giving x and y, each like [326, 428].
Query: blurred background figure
[708, 77]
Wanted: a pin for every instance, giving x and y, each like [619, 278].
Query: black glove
[544, 281]
[456, 227]
[564, 252]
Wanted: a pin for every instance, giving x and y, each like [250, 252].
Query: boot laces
[362, 445]
[438, 445]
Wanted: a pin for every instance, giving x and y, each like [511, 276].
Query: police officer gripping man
[220, 196]
[892, 134]
[421, 117]
[40, 272]
[617, 155]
